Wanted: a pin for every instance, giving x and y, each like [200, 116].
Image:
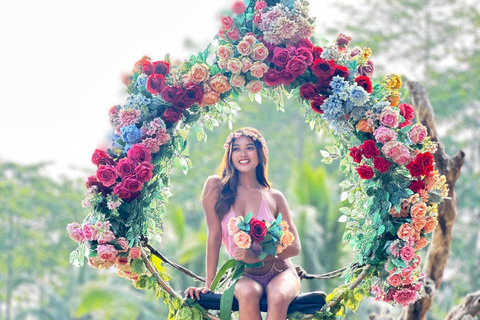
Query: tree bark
[469, 308]
[439, 250]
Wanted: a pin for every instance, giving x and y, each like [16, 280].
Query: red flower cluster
[365, 172]
[290, 63]
[365, 83]
[258, 230]
[183, 98]
[407, 112]
[368, 149]
[133, 172]
[422, 165]
[156, 73]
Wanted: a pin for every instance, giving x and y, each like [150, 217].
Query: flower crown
[245, 133]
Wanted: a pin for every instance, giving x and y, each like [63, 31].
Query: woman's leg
[283, 288]
[248, 293]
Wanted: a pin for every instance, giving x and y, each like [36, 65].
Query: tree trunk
[439, 250]
[469, 308]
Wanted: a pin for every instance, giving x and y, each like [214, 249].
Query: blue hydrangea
[131, 134]
[358, 96]
[141, 100]
[359, 112]
[339, 85]
[154, 104]
[341, 126]
[332, 108]
[142, 80]
[378, 107]
[348, 107]
[127, 147]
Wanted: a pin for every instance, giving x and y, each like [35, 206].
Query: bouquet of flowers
[272, 236]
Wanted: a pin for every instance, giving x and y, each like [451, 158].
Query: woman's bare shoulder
[276, 194]
[211, 186]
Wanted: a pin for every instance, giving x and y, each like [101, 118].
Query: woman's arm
[214, 239]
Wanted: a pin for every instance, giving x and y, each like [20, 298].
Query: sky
[61, 64]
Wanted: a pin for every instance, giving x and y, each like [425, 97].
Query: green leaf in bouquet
[248, 217]
[138, 266]
[262, 255]
[184, 313]
[279, 218]
[399, 263]
[142, 282]
[390, 265]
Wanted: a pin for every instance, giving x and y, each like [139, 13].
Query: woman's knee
[248, 291]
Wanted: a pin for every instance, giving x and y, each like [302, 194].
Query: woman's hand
[245, 255]
[193, 292]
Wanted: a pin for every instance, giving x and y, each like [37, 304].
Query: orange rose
[418, 210]
[284, 225]
[421, 243]
[405, 231]
[394, 100]
[418, 224]
[242, 240]
[431, 224]
[287, 238]
[219, 83]
[198, 73]
[364, 126]
[210, 98]
[279, 248]
[232, 226]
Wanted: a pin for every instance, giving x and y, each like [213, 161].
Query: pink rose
[257, 18]
[89, 232]
[406, 272]
[242, 240]
[233, 34]
[227, 22]
[107, 252]
[258, 69]
[254, 86]
[135, 253]
[105, 237]
[225, 52]
[122, 191]
[106, 175]
[407, 253]
[395, 280]
[389, 117]
[237, 80]
[132, 184]
[144, 171]
[238, 7]
[232, 226]
[260, 52]
[403, 157]
[260, 5]
[250, 38]
[139, 153]
[234, 65]
[383, 134]
[222, 64]
[397, 151]
[75, 232]
[246, 64]
[244, 47]
[125, 168]
[123, 243]
[418, 133]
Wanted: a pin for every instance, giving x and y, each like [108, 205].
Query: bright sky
[61, 64]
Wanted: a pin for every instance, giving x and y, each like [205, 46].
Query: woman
[242, 187]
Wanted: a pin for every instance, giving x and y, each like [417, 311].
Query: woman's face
[244, 154]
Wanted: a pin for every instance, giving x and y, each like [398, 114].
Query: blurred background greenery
[435, 42]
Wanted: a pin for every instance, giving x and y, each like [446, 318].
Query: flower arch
[264, 48]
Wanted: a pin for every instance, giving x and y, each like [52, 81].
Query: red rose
[415, 169]
[365, 172]
[172, 115]
[407, 112]
[125, 168]
[272, 77]
[356, 154]
[92, 181]
[233, 34]
[323, 69]
[139, 153]
[323, 85]
[341, 71]
[317, 52]
[305, 43]
[181, 104]
[97, 155]
[193, 93]
[106, 175]
[381, 164]
[238, 7]
[170, 93]
[365, 83]
[144, 171]
[306, 53]
[317, 103]
[257, 230]
[286, 77]
[162, 67]
[280, 57]
[148, 67]
[227, 22]
[369, 149]
[155, 83]
[132, 184]
[122, 191]
[221, 33]
[308, 91]
[271, 50]
[416, 185]
[297, 66]
[425, 160]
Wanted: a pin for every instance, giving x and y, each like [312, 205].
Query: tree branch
[469, 308]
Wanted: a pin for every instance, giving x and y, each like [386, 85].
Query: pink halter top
[263, 214]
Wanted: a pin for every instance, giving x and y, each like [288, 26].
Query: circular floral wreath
[265, 49]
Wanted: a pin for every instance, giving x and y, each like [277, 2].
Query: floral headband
[245, 133]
